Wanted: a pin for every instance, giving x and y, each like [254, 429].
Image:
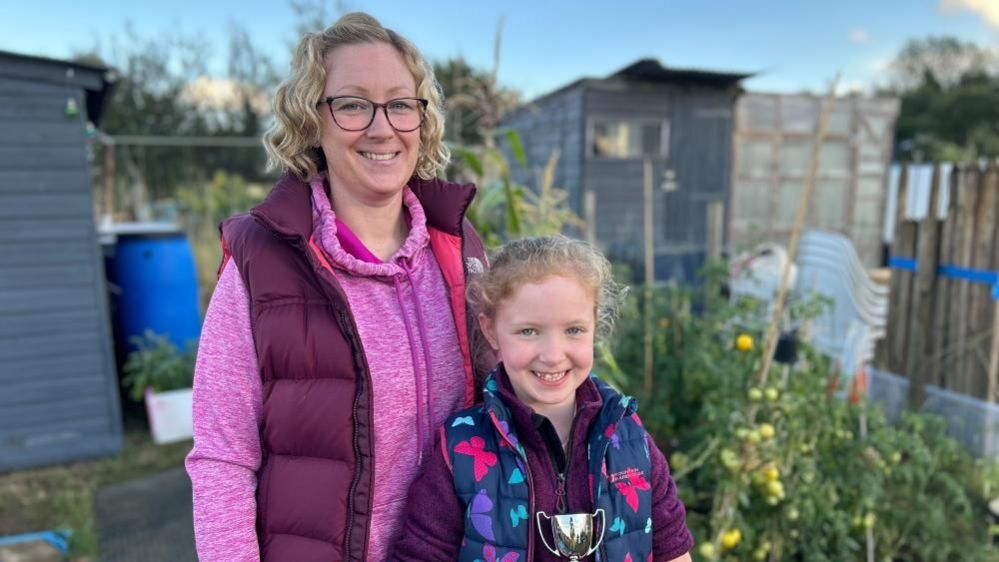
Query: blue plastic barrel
[151, 269]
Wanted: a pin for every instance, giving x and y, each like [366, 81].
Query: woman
[337, 338]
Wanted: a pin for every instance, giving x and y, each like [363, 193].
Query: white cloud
[224, 93]
[848, 86]
[987, 9]
[859, 35]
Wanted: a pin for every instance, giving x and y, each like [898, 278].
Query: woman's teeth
[550, 377]
[377, 156]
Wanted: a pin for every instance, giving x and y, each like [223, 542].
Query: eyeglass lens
[356, 114]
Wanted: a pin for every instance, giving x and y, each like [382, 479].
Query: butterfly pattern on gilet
[491, 480]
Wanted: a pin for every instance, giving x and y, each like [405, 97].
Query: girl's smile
[544, 335]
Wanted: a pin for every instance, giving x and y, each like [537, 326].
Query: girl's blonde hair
[531, 260]
[292, 142]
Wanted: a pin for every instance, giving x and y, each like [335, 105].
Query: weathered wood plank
[43, 158]
[55, 410]
[67, 180]
[42, 391]
[938, 348]
[59, 276]
[41, 345]
[918, 364]
[980, 294]
[45, 252]
[39, 300]
[42, 206]
[22, 229]
[967, 199]
[53, 366]
[52, 133]
[903, 246]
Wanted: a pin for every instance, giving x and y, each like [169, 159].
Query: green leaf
[516, 147]
[513, 222]
[471, 160]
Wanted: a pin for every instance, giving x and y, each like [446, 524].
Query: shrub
[159, 365]
[798, 471]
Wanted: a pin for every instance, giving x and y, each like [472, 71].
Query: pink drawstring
[416, 372]
[424, 338]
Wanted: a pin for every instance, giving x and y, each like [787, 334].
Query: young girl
[549, 437]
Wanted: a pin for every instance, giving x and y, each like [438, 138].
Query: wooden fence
[943, 318]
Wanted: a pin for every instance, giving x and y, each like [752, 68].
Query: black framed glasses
[354, 113]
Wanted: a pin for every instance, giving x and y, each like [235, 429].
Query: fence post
[903, 246]
[942, 305]
[964, 234]
[716, 225]
[920, 325]
[981, 295]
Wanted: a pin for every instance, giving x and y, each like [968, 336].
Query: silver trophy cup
[573, 533]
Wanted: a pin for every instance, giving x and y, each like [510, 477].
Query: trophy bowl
[572, 533]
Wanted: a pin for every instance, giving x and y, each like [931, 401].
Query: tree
[950, 100]
[475, 101]
[164, 89]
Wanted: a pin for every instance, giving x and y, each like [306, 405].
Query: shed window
[629, 139]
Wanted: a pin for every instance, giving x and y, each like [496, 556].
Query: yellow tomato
[707, 550]
[772, 394]
[679, 461]
[775, 489]
[767, 431]
[869, 520]
[771, 473]
[755, 394]
[744, 342]
[731, 538]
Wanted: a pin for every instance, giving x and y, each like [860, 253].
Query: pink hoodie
[405, 324]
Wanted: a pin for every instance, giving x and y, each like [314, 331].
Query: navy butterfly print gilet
[492, 480]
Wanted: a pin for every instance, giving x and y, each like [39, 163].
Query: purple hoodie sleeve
[671, 538]
[434, 524]
[227, 410]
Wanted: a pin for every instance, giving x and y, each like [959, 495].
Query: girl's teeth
[550, 377]
[374, 156]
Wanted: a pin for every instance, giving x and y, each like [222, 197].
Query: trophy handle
[603, 527]
[541, 531]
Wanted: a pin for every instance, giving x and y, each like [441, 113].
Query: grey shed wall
[58, 386]
[552, 123]
[700, 154]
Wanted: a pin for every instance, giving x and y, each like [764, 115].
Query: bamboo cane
[799, 222]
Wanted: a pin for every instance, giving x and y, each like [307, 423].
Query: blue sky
[793, 44]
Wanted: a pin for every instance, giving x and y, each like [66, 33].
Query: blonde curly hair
[532, 260]
[292, 141]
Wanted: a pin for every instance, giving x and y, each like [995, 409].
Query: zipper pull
[560, 501]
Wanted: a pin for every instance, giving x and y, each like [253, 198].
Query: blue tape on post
[907, 264]
[972, 275]
[967, 274]
[58, 539]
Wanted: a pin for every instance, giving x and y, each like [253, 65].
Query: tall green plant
[505, 209]
[806, 483]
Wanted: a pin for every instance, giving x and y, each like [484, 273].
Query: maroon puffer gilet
[314, 486]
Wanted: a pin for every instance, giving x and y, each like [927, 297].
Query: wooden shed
[605, 128]
[58, 386]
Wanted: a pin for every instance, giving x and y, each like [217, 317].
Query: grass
[61, 497]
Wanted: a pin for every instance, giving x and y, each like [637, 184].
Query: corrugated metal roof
[652, 71]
